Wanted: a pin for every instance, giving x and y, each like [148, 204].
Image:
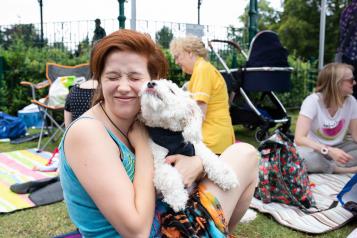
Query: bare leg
[243, 159]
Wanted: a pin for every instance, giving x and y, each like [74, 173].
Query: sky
[213, 12]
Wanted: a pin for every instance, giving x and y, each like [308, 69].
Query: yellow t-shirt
[207, 85]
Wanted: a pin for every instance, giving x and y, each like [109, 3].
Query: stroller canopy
[267, 51]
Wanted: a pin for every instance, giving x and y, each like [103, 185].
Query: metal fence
[70, 33]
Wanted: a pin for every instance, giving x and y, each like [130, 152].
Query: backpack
[283, 174]
[11, 127]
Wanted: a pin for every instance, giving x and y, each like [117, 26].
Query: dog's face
[165, 105]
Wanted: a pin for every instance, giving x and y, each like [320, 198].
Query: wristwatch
[324, 150]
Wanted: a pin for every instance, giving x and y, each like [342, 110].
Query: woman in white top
[325, 118]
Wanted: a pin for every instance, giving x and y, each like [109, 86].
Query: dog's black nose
[151, 84]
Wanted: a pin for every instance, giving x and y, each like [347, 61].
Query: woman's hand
[190, 167]
[138, 135]
[339, 155]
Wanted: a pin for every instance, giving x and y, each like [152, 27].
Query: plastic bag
[60, 88]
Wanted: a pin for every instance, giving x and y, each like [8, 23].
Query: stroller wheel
[261, 135]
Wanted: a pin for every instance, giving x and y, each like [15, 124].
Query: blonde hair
[329, 81]
[190, 44]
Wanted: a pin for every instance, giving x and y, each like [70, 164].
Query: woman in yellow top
[209, 90]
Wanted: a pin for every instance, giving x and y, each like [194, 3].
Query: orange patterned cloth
[203, 217]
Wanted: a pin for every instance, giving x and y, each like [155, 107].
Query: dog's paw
[230, 180]
[221, 174]
[177, 201]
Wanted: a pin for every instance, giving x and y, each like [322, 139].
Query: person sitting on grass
[324, 120]
[107, 166]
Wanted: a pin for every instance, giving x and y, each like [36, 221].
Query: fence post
[121, 17]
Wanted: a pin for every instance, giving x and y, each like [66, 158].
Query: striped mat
[16, 167]
[325, 189]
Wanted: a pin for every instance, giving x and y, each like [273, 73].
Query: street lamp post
[322, 34]
[121, 17]
[40, 2]
[199, 2]
[253, 19]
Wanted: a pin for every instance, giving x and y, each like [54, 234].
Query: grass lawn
[50, 220]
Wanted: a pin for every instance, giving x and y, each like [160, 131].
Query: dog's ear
[192, 131]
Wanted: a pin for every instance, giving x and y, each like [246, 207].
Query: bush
[24, 63]
[303, 80]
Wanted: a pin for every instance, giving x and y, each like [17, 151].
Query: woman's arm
[95, 159]
[303, 126]
[190, 168]
[67, 118]
[353, 129]
[203, 107]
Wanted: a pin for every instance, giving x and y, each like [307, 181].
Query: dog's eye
[172, 91]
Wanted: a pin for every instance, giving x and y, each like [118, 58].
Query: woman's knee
[242, 156]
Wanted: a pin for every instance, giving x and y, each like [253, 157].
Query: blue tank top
[82, 210]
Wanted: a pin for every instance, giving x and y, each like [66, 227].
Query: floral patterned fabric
[283, 174]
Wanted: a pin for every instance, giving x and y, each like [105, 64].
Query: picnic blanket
[325, 188]
[16, 167]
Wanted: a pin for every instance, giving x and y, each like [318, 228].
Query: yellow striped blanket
[16, 167]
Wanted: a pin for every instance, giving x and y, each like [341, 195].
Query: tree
[267, 16]
[164, 37]
[299, 27]
[26, 32]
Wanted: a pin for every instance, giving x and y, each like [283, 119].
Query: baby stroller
[253, 102]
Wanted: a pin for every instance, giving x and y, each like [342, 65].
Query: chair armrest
[44, 105]
[35, 87]
[40, 85]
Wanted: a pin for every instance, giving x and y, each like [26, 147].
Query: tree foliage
[267, 16]
[164, 37]
[299, 27]
[23, 63]
[26, 32]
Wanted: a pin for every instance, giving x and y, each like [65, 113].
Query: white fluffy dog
[174, 123]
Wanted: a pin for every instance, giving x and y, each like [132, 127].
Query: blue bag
[11, 127]
[349, 191]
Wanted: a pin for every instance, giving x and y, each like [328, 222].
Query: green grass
[50, 220]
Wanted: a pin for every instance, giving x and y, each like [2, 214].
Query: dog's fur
[164, 105]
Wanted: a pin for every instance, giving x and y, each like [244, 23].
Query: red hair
[130, 41]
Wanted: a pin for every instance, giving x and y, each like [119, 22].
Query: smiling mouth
[125, 98]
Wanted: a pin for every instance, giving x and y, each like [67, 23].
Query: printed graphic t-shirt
[327, 129]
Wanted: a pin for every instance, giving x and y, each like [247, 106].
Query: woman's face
[123, 75]
[347, 82]
[185, 60]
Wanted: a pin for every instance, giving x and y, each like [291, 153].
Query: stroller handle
[229, 42]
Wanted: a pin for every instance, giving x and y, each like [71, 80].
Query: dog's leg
[192, 130]
[217, 170]
[168, 180]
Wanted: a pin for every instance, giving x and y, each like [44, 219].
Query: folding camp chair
[53, 71]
